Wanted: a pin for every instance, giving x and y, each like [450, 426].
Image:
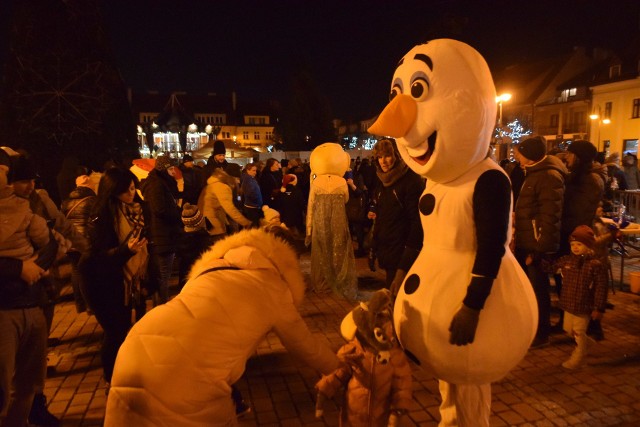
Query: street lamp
[500, 99]
[597, 115]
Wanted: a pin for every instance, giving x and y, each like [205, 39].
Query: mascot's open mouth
[431, 146]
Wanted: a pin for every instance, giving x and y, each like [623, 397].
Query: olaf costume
[466, 310]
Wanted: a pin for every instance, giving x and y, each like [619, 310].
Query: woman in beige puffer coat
[216, 204]
[178, 362]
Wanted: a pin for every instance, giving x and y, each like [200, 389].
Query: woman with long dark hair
[117, 262]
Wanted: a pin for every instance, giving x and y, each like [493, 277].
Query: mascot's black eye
[394, 91]
[419, 89]
[379, 335]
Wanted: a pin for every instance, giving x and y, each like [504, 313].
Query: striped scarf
[136, 267]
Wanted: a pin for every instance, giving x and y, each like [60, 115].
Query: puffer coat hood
[265, 245]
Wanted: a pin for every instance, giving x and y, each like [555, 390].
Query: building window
[635, 114]
[579, 118]
[554, 119]
[245, 135]
[252, 120]
[608, 106]
[226, 135]
[269, 135]
[256, 135]
[614, 71]
[630, 145]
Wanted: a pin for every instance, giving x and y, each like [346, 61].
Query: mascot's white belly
[437, 283]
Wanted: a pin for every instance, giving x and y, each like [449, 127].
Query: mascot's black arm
[491, 211]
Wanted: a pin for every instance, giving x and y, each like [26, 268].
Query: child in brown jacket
[584, 290]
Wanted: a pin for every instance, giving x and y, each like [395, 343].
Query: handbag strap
[216, 269]
[75, 206]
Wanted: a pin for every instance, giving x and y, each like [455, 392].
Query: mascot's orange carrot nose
[397, 117]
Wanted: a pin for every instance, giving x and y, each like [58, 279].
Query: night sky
[351, 47]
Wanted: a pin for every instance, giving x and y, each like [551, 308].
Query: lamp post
[500, 99]
[597, 115]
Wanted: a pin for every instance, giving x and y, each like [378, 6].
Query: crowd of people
[559, 198]
[123, 237]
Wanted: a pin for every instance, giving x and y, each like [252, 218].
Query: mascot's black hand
[463, 326]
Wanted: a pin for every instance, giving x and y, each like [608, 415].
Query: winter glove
[320, 399]
[372, 260]
[463, 326]
[397, 282]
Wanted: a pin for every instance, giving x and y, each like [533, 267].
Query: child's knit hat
[585, 235]
[192, 218]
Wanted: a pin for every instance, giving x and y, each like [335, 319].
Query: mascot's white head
[329, 158]
[442, 109]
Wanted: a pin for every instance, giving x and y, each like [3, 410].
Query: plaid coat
[584, 284]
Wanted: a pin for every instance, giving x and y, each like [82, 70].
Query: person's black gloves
[463, 326]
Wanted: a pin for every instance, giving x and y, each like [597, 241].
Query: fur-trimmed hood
[256, 249]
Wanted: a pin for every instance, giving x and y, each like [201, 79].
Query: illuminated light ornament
[442, 114]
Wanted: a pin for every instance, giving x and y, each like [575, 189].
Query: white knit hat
[192, 218]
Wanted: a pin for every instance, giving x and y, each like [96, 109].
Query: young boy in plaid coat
[584, 290]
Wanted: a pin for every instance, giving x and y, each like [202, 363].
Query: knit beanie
[584, 150]
[192, 218]
[533, 148]
[163, 162]
[584, 234]
[288, 179]
[270, 214]
[218, 147]
[22, 169]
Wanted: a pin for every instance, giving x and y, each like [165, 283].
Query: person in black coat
[292, 205]
[113, 270]
[77, 207]
[164, 228]
[193, 179]
[270, 182]
[397, 234]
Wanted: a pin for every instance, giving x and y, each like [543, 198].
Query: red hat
[288, 179]
[584, 234]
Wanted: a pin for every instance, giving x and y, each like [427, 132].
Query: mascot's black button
[427, 203]
[411, 284]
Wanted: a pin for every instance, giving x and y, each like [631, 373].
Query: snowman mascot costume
[466, 310]
[333, 265]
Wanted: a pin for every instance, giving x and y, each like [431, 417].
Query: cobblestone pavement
[280, 390]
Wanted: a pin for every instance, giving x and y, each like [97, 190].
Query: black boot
[40, 415]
